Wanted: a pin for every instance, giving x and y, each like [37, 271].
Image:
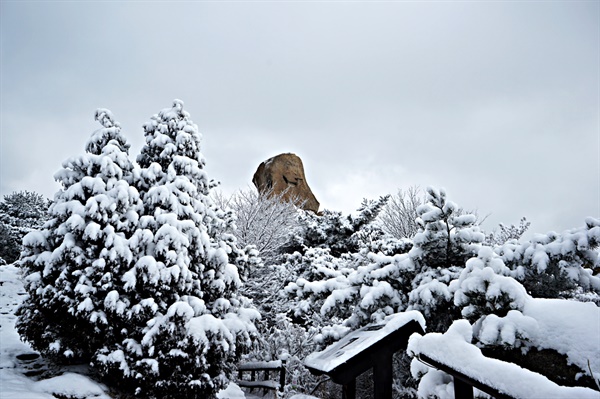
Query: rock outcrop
[284, 173]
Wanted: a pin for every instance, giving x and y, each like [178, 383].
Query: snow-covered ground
[26, 375]
[569, 327]
[23, 373]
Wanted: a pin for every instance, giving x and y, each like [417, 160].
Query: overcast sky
[497, 102]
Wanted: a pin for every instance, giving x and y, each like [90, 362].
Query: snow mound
[454, 349]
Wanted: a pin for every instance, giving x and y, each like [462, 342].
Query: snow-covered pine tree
[70, 264]
[20, 213]
[186, 324]
[557, 265]
[447, 237]
[366, 286]
[340, 233]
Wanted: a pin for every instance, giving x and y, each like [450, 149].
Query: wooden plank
[272, 365]
[259, 384]
[462, 389]
[383, 375]
[465, 379]
[349, 390]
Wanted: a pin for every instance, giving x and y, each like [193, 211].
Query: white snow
[73, 382]
[261, 365]
[454, 348]
[571, 328]
[13, 381]
[359, 340]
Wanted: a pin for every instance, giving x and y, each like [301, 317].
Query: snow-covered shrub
[140, 263]
[339, 233]
[75, 260]
[556, 265]
[548, 336]
[265, 220]
[20, 213]
[10, 246]
[362, 287]
[399, 216]
[484, 287]
[186, 325]
[507, 233]
[432, 295]
[447, 272]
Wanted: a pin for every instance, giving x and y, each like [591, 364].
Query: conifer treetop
[170, 134]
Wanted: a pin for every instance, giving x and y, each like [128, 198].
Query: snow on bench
[453, 353]
[266, 383]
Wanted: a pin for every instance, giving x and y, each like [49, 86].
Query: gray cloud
[495, 101]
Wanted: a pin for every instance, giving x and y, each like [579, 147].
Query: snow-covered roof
[359, 341]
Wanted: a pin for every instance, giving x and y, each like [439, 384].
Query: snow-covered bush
[9, 244]
[20, 213]
[358, 288]
[140, 263]
[556, 265]
[73, 262]
[548, 336]
[265, 220]
[399, 216]
[191, 326]
[446, 271]
[339, 233]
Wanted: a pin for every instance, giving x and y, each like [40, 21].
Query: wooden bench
[266, 383]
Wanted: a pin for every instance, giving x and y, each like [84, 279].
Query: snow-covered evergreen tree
[20, 213]
[507, 233]
[71, 264]
[185, 326]
[10, 246]
[374, 282]
[447, 236]
[339, 233]
[556, 265]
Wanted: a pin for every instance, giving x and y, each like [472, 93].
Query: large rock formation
[284, 173]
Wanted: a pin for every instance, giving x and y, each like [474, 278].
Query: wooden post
[282, 376]
[265, 390]
[382, 375]
[462, 390]
[349, 390]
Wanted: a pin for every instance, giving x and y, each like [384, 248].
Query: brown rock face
[284, 173]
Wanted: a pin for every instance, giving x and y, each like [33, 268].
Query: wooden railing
[463, 384]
